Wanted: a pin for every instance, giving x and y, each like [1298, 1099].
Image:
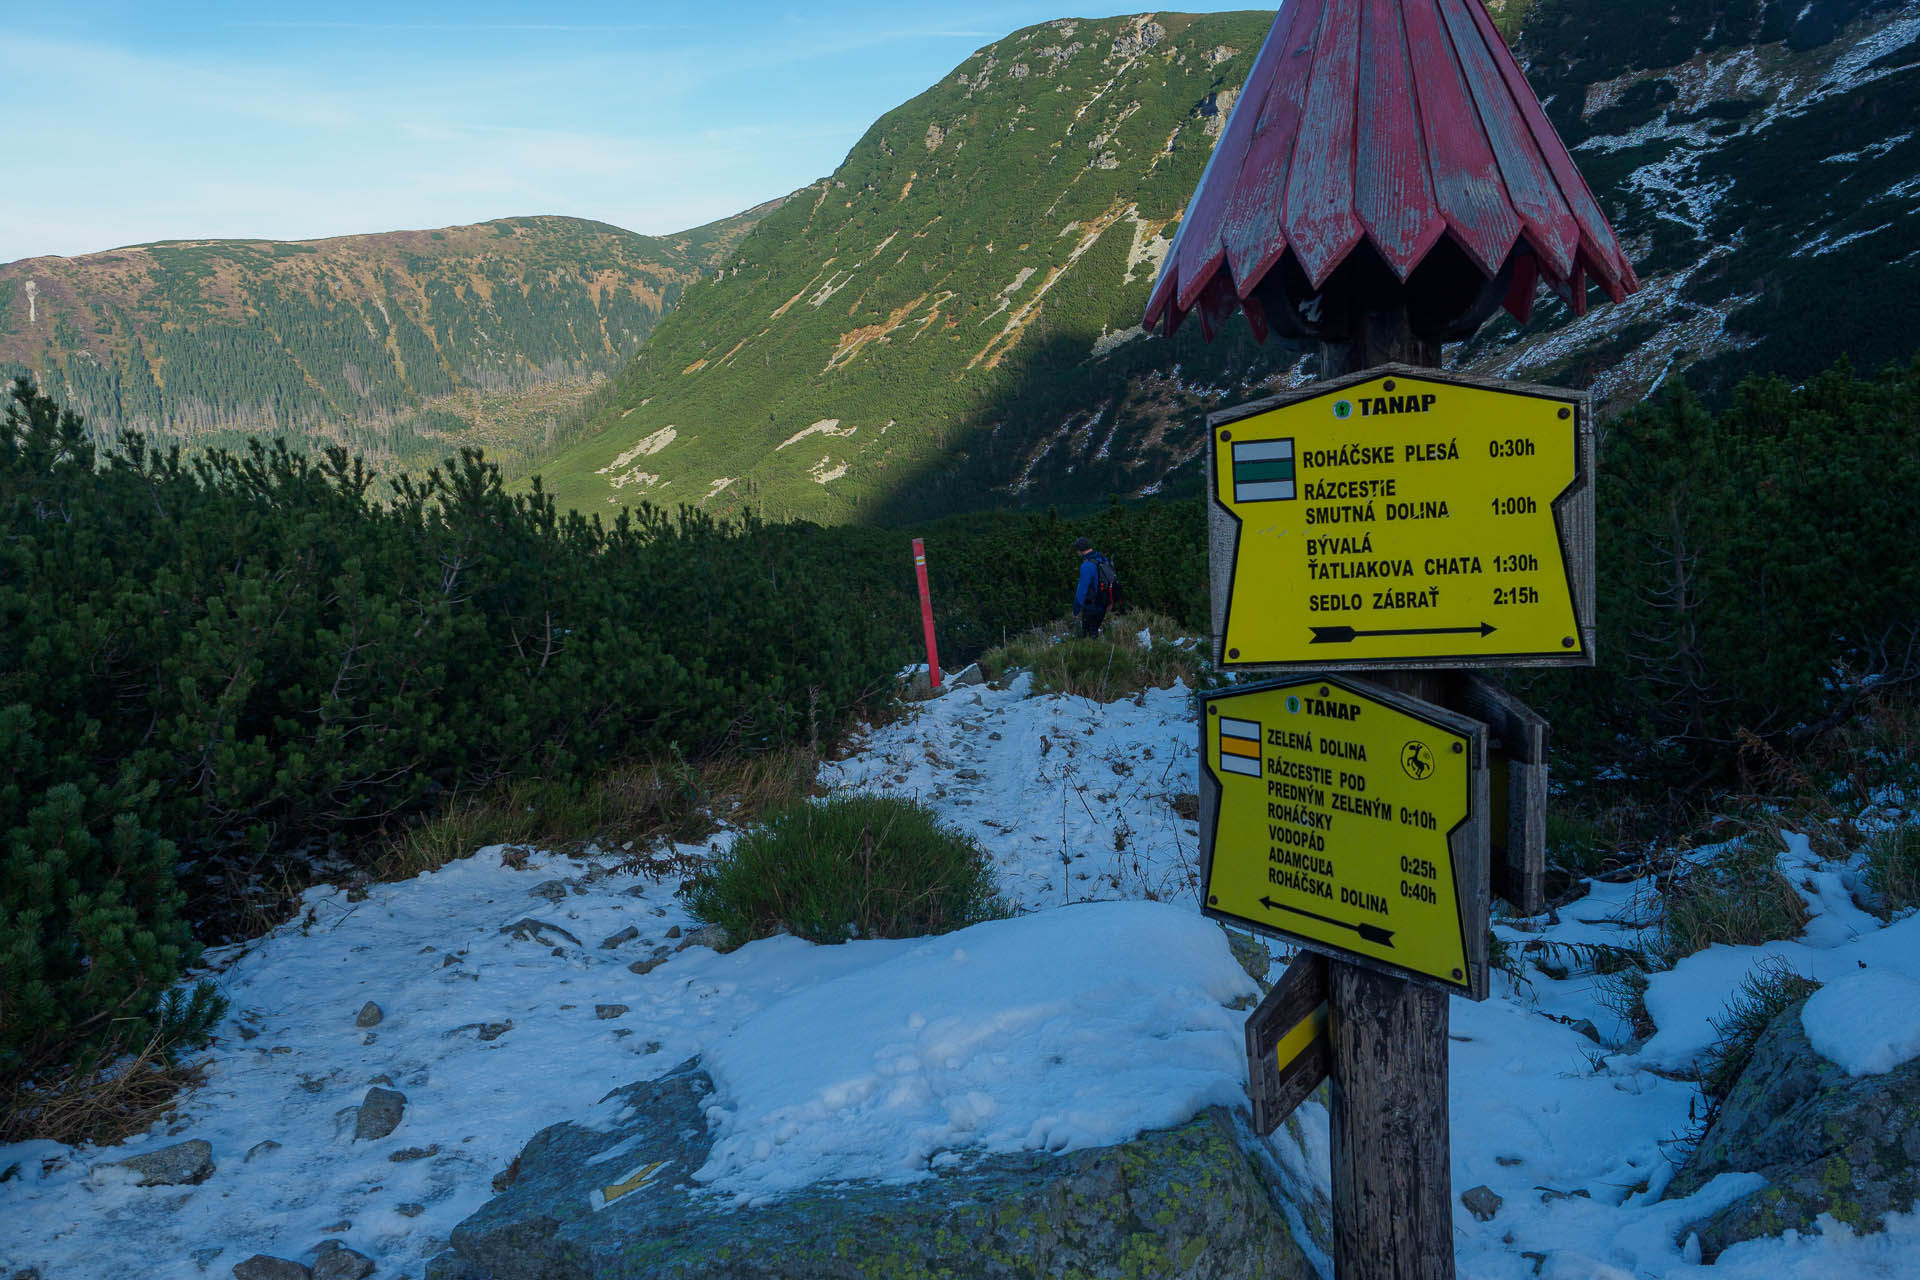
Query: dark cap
[1083, 545]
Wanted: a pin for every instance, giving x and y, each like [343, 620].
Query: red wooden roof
[1395, 122]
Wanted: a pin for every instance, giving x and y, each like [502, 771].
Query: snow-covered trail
[514, 997]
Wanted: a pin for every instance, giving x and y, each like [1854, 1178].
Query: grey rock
[1482, 1202]
[969, 674]
[551, 890]
[530, 930]
[182, 1164]
[451, 1266]
[342, 1264]
[410, 1209]
[449, 959]
[483, 1030]
[1023, 1215]
[369, 1016]
[647, 965]
[613, 940]
[414, 1153]
[380, 1113]
[263, 1266]
[707, 935]
[1187, 805]
[203, 1257]
[1252, 955]
[607, 1012]
[265, 1146]
[1825, 1141]
[674, 932]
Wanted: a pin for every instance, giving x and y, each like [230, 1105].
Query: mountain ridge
[402, 344]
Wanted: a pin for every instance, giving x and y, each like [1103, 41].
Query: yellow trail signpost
[1403, 518]
[1350, 820]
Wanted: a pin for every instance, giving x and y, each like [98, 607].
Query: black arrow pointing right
[1368, 932]
[1347, 635]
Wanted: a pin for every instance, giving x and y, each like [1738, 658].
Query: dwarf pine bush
[857, 866]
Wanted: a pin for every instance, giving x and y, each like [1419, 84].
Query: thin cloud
[298, 24]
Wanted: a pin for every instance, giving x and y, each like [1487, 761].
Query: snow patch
[1867, 1022]
[1078, 1027]
[650, 445]
[824, 427]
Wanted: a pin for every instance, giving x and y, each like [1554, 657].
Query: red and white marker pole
[926, 613]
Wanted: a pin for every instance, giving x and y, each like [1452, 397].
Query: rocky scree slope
[950, 321]
[401, 345]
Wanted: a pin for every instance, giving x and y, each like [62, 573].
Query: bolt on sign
[1404, 518]
[1350, 820]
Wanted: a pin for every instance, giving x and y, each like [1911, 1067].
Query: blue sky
[128, 122]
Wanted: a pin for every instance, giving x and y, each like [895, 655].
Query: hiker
[1099, 587]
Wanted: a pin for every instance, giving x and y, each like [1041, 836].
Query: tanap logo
[1293, 704]
[1343, 408]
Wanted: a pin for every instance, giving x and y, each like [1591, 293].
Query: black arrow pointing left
[1368, 932]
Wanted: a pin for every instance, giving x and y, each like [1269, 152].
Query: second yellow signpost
[1351, 820]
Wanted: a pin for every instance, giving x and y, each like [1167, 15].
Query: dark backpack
[1106, 583]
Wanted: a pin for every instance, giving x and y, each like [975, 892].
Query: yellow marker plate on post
[1351, 820]
[1403, 519]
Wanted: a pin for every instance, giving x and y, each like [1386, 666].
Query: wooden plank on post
[1517, 765]
[1287, 1047]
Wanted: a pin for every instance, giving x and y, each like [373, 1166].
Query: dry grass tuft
[1739, 897]
[1115, 664]
[1893, 869]
[632, 807]
[101, 1105]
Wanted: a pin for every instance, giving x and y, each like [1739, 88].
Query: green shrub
[92, 926]
[1713, 627]
[860, 866]
[1574, 840]
[1893, 868]
[1738, 898]
[1764, 994]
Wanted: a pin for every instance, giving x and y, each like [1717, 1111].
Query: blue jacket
[1089, 574]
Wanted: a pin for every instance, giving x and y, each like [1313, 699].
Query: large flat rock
[1184, 1202]
[1826, 1142]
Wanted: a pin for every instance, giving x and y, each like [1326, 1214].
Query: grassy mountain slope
[400, 344]
[948, 321]
[930, 314]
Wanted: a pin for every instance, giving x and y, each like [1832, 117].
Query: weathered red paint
[926, 613]
[1393, 122]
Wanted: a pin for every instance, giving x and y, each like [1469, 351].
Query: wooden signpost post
[1386, 181]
